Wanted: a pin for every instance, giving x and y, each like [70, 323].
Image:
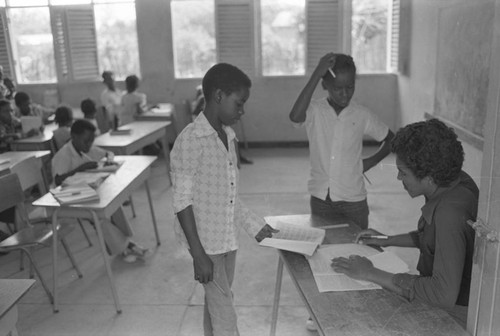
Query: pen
[374, 237]
[335, 226]
[370, 182]
[331, 71]
[218, 287]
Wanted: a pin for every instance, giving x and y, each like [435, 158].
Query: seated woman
[429, 160]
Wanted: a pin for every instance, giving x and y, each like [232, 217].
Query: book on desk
[77, 193]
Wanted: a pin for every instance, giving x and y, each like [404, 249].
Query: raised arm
[379, 155]
[298, 113]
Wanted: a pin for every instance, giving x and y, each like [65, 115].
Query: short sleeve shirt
[335, 144]
[130, 101]
[205, 176]
[67, 158]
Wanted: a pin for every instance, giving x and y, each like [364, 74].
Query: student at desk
[89, 111]
[133, 102]
[429, 159]
[10, 126]
[24, 107]
[79, 155]
[63, 119]
[206, 202]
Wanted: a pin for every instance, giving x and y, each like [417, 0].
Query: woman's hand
[266, 232]
[355, 266]
[367, 237]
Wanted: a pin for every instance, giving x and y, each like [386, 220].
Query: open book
[79, 193]
[328, 280]
[295, 238]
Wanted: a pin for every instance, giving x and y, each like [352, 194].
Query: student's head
[108, 78]
[63, 116]
[428, 155]
[82, 135]
[341, 88]
[131, 83]
[227, 88]
[5, 111]
[23, 102]
[88, 108]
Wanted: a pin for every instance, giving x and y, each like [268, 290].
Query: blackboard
[465, 32]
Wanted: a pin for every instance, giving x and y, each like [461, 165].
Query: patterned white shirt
[205, 176]
[335, 145]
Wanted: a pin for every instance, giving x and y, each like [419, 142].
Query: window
[32, 45]
[283, 37]
[121, 55]
[56, 40]
[193, 30]
[373, 24]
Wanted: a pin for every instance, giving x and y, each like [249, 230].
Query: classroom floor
[159, 295]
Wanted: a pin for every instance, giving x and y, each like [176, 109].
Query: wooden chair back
[29, 172]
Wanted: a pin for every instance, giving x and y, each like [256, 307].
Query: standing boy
[335, 128]
[206, 202]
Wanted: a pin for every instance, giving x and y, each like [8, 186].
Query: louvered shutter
[5, 56]
[75, 42]
[324, 32]
[234, 31]
[394, 37]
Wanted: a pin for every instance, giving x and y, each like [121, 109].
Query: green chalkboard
[463, 60]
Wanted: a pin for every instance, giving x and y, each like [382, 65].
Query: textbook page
[295, 238]
[328, 280]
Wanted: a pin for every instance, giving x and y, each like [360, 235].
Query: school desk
[369, 312]
[115, 190]
[42, 141]
[142, 133]
[11, 291]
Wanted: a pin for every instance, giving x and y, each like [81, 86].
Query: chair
[28, 237]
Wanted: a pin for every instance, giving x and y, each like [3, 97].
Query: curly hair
[225, 77]
[430, 148]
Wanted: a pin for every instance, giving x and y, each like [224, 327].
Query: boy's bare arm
[378, 156]
[298, 113]
[203, 266]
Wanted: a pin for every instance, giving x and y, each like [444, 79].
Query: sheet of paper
[328, 280]
[90, 179]
[295, 238]
[28, 123]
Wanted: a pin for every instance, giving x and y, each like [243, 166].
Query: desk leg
[106, 262]
[166, 154]
[54, 258]
[150, 200]
[277, 293]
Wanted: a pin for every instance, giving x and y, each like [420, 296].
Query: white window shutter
[75, 42]
[324, 31]
[5, 50]
[234, 31]
[393, 44]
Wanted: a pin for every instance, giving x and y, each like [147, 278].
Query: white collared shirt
[67, 158]
[205, 175]
[112, 101]
[335, 145]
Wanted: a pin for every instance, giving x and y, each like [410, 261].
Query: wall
[271, 98]
[417, 87]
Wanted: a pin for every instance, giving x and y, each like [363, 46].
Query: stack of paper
[328, 280]
[295, 238]
[93, 180]
[81, 193]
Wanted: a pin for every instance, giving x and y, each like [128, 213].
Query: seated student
[26, 108]
[10, 126]
[429, 159]
[7, 87]
[89, 111]
[111, 97]
[133, 102]
[64, 119]
[79, 155]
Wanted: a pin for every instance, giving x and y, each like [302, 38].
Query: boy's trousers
[219, 318]
[341, 210]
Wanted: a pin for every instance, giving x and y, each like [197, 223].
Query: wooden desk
[143, 133]
[371, 312]
[38, 142]
[11, 291]
[115, 190]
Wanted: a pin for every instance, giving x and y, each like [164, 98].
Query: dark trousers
[356, 212]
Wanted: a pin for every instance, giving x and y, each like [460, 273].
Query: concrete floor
[159, 295]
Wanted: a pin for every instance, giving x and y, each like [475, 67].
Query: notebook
[93, 180]
[78, 193]
[28, 123]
